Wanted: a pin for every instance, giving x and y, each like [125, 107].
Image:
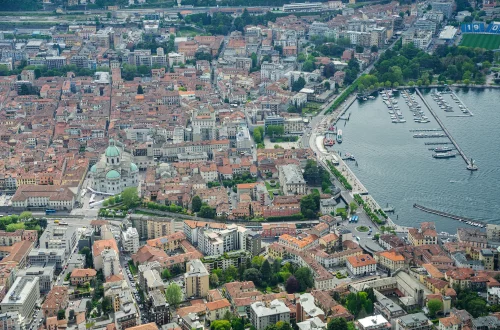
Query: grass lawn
[486, 41]
[362, 229]
[311, 108]
[272, 189]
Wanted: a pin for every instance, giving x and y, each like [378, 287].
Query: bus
[50, 211]
[354, 219]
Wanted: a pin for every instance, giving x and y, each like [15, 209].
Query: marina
[439, 184]
[470, 163]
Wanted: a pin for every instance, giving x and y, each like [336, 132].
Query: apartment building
[42, 257]
[130, 240]
[416, 321]
[22, 298]
[261, 315]
[196, 279]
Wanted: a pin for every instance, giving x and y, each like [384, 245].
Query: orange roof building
[300, 243]
[361, 264]
[390, 260]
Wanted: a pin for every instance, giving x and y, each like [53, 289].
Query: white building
[291, 180]
[307, 308]
[294, 125]
[243, 140]
[110, 262]
[312, 324]
[261, 315]
[362, 264]
[420, 38]
[115, 170]
[130, 240]
[372, 323]
[213, 243]
[43, 196]
[21, 298]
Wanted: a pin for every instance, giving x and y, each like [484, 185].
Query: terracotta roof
[361, 260]
[102, 245]
[214, 305]
[79, 272]
[147, 326]
[392, 255]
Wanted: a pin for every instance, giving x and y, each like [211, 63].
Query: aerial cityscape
[230, 165]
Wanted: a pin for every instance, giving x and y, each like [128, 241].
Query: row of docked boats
[415, 108]
[392, 104]
[332, 134]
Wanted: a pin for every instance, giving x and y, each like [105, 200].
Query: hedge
[297, 216]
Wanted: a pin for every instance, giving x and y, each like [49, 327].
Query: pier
[468, 161]
[426, 130]
[436, 143]
[459, 100]
[429, 136]
[469, 221]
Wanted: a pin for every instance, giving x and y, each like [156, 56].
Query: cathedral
[114, 171]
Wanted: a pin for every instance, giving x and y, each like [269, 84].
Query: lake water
[399, 169]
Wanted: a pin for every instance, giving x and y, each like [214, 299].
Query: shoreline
[351, 177]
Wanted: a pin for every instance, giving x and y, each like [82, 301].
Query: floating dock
[436, 143]
[470, 164]
[426, 130]
[429, 136]
[469, 221]
[462, 103]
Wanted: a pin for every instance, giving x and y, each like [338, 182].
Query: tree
[327, 85]
[196, 203]
[107, 304]
[71, 314]
[129, 197]
[237, 323]
[14, 226]
[292, 285]
[166, 274]
[214, 280]
[88, 256]
[338, 323]
[298, 84]
[26, 215]
[265, 270]
[140, 91]
[257, 262]
[88, 307]
[353, 206]
[305, 278]
[206, 212]
[253, 275]
[231, 274]
[61, 314]
[374, 49]
[173, 294]
[434, 305]
[24, 90]
[220, 325]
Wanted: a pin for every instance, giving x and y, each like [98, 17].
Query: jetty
[426, 130]
[429, 136]
[470, 164]
[468, 221]
[455, 96]
[436, 143]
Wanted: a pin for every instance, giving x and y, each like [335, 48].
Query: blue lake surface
[399, 169]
